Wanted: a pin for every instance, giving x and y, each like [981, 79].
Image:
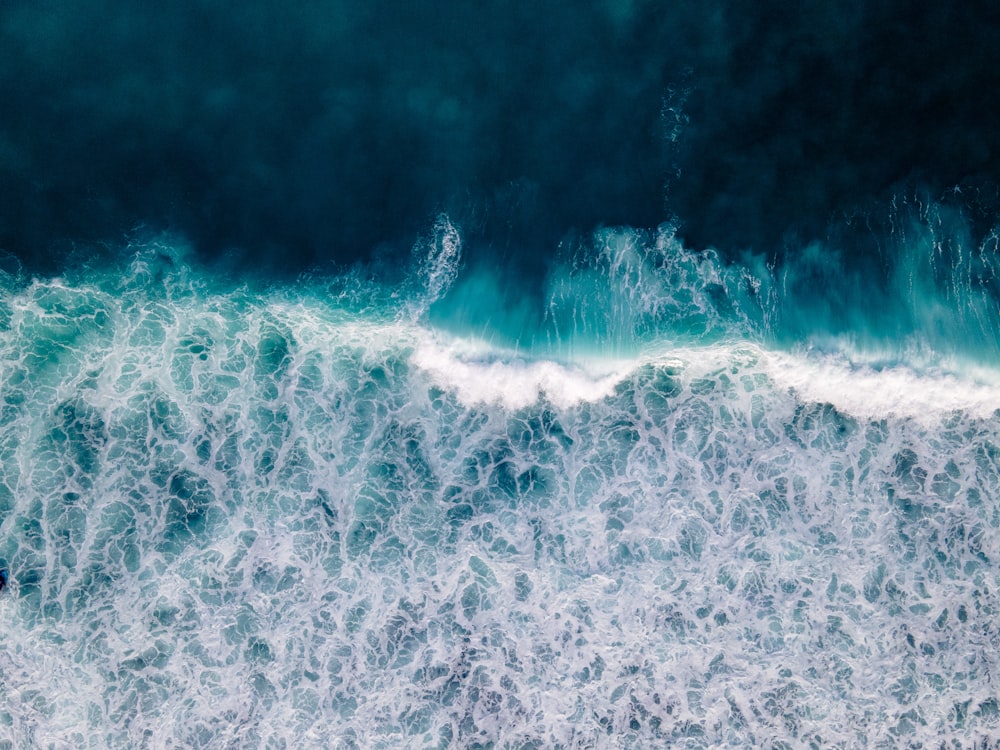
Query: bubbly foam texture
[479, 374]
[244, 519]
[868, 393]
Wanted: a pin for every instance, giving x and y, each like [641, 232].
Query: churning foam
[479, 373]
[236, 519]
[868, 393]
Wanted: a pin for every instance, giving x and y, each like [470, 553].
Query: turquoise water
[336, 515]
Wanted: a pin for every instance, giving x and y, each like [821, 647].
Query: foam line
[865, 392]
[481, 374]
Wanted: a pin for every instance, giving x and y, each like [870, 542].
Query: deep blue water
[512, 375]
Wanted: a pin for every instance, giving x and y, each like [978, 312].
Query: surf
[336, 510]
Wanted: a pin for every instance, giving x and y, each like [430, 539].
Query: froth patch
[867, 392]
[479, 374]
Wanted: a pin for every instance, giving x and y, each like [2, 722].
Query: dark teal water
[514, 376]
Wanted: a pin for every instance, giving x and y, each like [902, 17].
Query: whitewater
[329, 515]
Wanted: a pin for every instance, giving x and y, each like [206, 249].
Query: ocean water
[308, 516]
[379, 379]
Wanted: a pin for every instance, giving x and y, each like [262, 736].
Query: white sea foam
[240, 520]
[868, 393]
[482, 374]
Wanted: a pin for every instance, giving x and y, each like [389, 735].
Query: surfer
[3, 579]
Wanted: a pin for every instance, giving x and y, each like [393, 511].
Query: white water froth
[237, 520]
[899, 391]
[439, 257]
[481, 374]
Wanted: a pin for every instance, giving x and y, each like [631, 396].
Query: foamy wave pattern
[255, 520]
